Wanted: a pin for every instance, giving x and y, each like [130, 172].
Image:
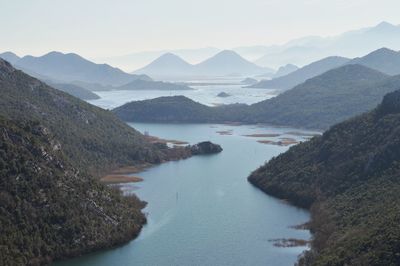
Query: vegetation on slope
[93, 139]
[326, 99]
[75, 90]
[52, 148]
[178, 109]
[299, 76]
[49, 209]
[350, 178]
[316, 104]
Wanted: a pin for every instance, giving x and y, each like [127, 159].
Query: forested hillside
[350, 178]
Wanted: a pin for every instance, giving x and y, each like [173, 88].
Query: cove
[202, 211]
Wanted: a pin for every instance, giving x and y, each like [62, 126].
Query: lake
[202, 211]
[205, 94]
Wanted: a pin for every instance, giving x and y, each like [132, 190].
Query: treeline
[316, 104]
[350, 179]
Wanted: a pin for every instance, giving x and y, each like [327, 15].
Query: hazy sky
[96, 28]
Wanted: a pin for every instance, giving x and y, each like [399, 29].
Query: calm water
[203, 94]
[202, 211]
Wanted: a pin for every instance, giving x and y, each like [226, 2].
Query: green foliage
[350, 178]
[317, 104]
[51, 146]
[49, 209]
[92, 138]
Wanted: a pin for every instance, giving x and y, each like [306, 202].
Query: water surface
[204, 94]
[202, 211]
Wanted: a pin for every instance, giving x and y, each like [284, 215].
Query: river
[202, 211]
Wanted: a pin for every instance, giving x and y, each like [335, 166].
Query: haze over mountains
[299, 52]
[317, 103]
[224, 63]
[298, 76]
[349, 44]
[77, 76]
[383, 60]
[71, 67]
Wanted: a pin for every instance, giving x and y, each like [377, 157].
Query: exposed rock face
[205, 147]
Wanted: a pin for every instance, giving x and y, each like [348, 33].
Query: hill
[299, 76]
[53, 149]
[285, 70]
[67, 68]
[326, 99]
[384, 60]
[75, 90]
[227, 63]
[318, 103]
[50, 209]
[179, 109]
[224, 63]
[96, 140]
[10, 57]
[349, 178]
[167, 65]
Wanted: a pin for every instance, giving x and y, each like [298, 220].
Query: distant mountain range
[383, 60]
[77, 76]
[349, 44]
[300, 75]
[318, 103]
[66, 68]
[300, 51]
[285, 70]
[224, 63]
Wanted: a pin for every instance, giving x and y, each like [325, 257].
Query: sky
[99, 28]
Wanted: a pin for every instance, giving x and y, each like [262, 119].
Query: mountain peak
[226, 53]
[10, 57]
[383, 50]
[170, 56]
[385, 24]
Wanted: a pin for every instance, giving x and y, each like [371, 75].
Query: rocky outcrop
[205, 147]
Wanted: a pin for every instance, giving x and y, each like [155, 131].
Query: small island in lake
[223, 94]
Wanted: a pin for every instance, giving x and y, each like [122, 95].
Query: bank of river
[202, 211]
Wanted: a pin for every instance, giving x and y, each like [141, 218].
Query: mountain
[224, 63]
[49, 209]
[326, 99]
[75, 90]
[302, 74]
[227, 63]
[140, 59]
[318, 103]
[167, 65]
[96, 140]
[67, 68]
[350, 44]
[285, 70]
[349, 178]
[53, 149]
[384, 60]
[10, 57]
[178, 109]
